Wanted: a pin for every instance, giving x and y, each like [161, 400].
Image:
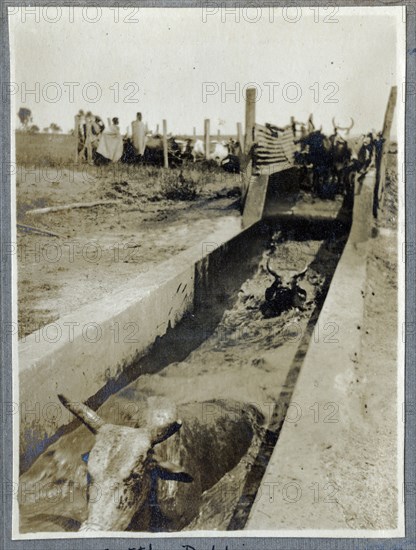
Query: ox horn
[346, 128]
[300, 274]
[163, 434]
[84, 413]
[275, 275]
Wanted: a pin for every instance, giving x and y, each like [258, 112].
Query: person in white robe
[111, 142]
[139, 131]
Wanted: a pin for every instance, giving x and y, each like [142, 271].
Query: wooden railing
[273, 151]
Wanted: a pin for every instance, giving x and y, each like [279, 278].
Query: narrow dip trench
[232, 392]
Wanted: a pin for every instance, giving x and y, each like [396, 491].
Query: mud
[232, 393]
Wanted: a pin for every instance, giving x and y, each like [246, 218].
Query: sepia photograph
[208, 294]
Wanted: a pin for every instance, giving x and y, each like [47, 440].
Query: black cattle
[330, 158]
[316, 150]
[231, 164]
[153, 153]
[283, 295]
[341, 159]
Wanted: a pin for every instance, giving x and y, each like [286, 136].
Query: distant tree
[25, 116]
[55, 128]
[34, 129]
[46, 130]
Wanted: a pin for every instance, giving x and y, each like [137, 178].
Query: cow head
[121, 464]
[284, 293]
[290, 279]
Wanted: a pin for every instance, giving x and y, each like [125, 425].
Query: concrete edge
[298, 462]
[85, 351]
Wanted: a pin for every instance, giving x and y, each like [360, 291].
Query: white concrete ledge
[296, 491]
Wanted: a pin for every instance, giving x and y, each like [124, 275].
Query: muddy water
[231, 392]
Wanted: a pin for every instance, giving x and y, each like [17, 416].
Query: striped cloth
[272, 152]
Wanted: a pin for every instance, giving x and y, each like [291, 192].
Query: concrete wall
[299, 463]
[88, 350]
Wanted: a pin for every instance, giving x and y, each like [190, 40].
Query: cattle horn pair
[346, 128]
[94, 422]
[295, 277]
[84, 413]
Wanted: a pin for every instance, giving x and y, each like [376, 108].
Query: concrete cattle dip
[122, 463]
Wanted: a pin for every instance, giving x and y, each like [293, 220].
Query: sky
[185, 65]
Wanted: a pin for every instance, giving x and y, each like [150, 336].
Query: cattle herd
[223, 153]
[326, 162]
[327, 166]
[329, 162]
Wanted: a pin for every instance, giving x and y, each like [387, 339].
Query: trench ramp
[278, 195]
[271, 182]
[255, 199]
[296, 490]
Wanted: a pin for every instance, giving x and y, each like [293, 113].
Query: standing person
[97, 128]
[139, 131]
[82, 132]
[111, 142]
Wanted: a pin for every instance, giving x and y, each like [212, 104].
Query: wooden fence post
[76, 134]
[381, 157]
[240, 137]
[293, 125]
[207, 138]
[165, 144]
[250, 118]
[254, 186]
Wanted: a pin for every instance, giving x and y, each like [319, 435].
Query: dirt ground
[372, 447]
[58, 274]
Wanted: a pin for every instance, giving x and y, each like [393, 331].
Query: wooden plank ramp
[255, 199]
[278, 196]
[271, 154]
